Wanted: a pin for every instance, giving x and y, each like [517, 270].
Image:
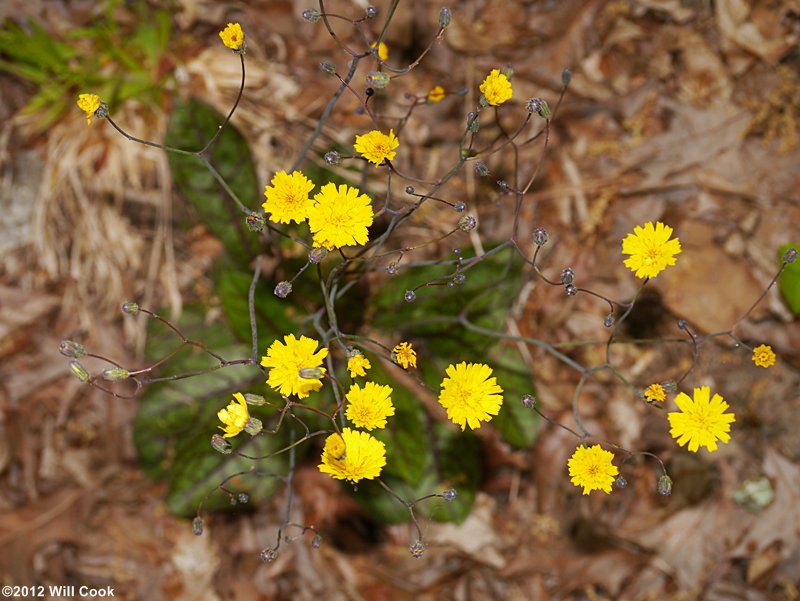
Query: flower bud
[567, 276]
[327, 67]
[71, 349]
[316, 255]
[467, 223]
[544, 110]
[669, 385]
[609, 320]
[566, 76]
[534, 105]
[665, 486]
[481, 169]
[459, 279]
[540, 236]
[391, 269]
[79, 371]
[197, 526]
[410, 296]
[528, 401]
[116, 374]
[268, 555]
[243, 497]
[311, 15]
[130, 308]
[571, 290]
[378, 79]
[372, 12]
[409, 189]
[311, 373]
[620, 482]
[255, 223]
[417, 550]
[253, 426]
[502, 184]
[790, 256]
[333, 158]
[283, 289]
[682, 325]
[473, 123]
[449, 494]
[445, 16]
[221, 444]
[459, 206]
[316, 542]
[256, 400]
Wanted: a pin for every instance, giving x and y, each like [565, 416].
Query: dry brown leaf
[735, 19]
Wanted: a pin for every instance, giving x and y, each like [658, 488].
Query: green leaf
[191, 125]
[789, 280]
[176, 419]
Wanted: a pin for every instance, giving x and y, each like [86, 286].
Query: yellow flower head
[655, 392]
[496, 88]
[470, 395]
[286, 360]
[89, 103]
[591, 468]
[234, 416]
[383, 51]
[376, 146]
[436, 94]
[701, 421]
[287, 197]
[340, 217]
[232, 36]
[404, 355]
[369, 407]
[651, 249]
[363, 458]
[358, 364]
[763, 356]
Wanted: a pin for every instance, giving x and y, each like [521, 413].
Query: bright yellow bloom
[592, 469]
[651, 249]
[234, 416]
[287, 197]
[470, 395]
[369, 407]
[655, 392]
[377, 146]
[496, 88]
[363, 458]
[436, 94]
[89, 103]
[340, 217]
[286, 360]
[358, 364]
[405, 355]
[701, 421]
[763, 356]
[383, 51]
[232, 36]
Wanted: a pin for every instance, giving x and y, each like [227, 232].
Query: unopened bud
[256, 400]
[197, 526]
[528, 401]
[243, 497]
[255, 223]
[502, 184]
[327, 67]
[79, 371]
[417, 550]
[116, 374]
[790, 256]
[283, 289]
[459, 206]
[571, 290]
[459, 279]
[449, 494]
[682, 325]
[566, 76]
[445, 16]
[481, 169]
[333, 158]
[130, 308]
[311, 15]
[473, 123]
[391, 269]
[253, 426]
[609, 320]
[544, 110]
[372, 12]
[378, 79]
[410, 296]
[316, 542]
[540, 236]
[567, 276]
[71, 349]
[221, 444]
[317, 254]
[665, 486]
[669, 385]
[311, 373]
[620, 482]
[409, 189]
[268, 555]
[467, 223]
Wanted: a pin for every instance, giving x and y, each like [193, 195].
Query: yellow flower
[234, 416]
[358, 364]
[340, 217]
[383, 51]
[405, 355]
[701, 421]
[363, 458]
[286, 360]
[655, 392]
[232, 36]
[436, 94]
[369, 407]
[496, 88]
[651, 249]
[376, 146]
[287, 197]
[89, 103]
[763, 356]
[592, 469]
[470, 395]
